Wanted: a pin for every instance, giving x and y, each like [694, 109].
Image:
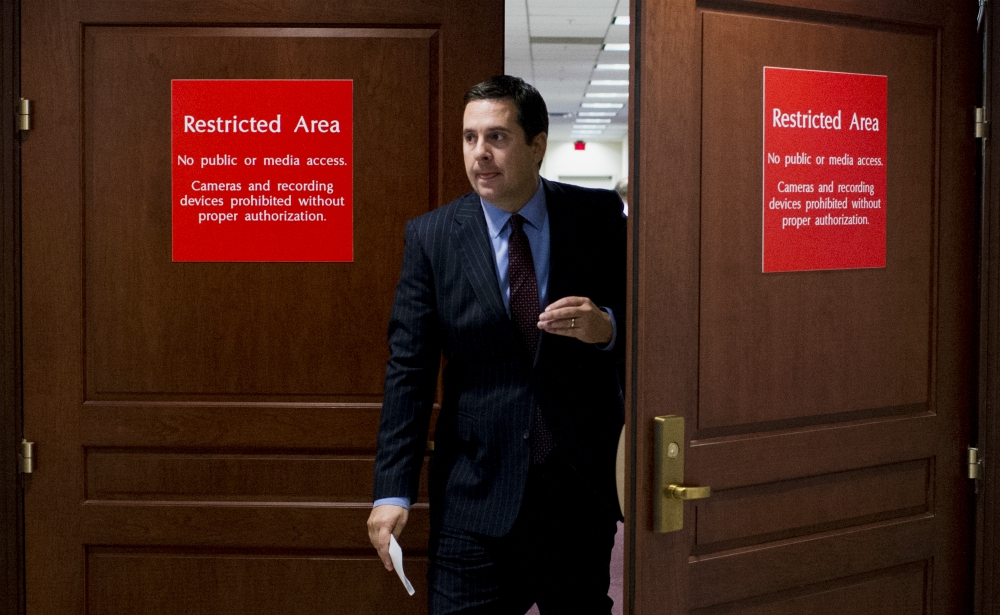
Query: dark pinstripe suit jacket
[448, 301]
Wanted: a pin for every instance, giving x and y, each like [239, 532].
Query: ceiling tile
[549, 69]
[562, 72]
[613, 57]
[522, 69]
[617, 34]
[515, 7]
[557, 25]
[565, 52]
[568, 7]
[517, 53]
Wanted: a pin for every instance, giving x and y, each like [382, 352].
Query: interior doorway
[577, 55]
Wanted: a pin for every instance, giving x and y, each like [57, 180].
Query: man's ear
[538, 145]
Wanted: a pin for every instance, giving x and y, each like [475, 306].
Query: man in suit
[521, 286]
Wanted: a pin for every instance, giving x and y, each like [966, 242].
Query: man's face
[502, 168]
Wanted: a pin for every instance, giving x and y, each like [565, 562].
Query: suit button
[527, 434]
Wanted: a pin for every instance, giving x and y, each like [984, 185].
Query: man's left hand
[577, 317]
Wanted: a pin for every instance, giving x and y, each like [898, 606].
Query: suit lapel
[561, 235]
[476, 250]
[560, 240]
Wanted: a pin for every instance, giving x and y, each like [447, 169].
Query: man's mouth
[486, 176]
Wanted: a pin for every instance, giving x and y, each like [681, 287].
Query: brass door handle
[670, 492]
[680, 492]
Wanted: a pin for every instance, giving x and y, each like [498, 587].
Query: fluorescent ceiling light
[593, 120]
[596, 105]
[585, 134]
[609, 82]
[588, 127]
[616, 47]
[597, 113]
[622, 20]
[606, 95]
[612, 67]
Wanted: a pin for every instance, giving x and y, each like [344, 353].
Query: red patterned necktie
[524, 308]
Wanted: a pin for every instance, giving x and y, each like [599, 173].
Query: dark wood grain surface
[988, 422]
[11, 500]
[829, 411]
[208, 428]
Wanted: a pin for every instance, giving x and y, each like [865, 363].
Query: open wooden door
[829, 411]
[205, 431]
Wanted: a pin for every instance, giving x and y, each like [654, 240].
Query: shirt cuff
[614, 332]
[404, 502]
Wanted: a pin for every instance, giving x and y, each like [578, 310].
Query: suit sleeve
[411, 376]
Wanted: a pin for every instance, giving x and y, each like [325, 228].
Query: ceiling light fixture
[606, 95]
[622, 20]
[593, 120]
[597, 113]
[609, 82]
[616, 47]
[597, 105]
[612, 67]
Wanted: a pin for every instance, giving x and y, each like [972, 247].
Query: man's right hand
[385, 520]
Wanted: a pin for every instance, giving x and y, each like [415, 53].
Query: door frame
[987, 548]
[11, 494]
[632, 305]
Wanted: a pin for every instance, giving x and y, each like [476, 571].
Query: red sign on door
[262, 170]
[824, 170]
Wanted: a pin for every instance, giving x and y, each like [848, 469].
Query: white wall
[600, 165]
[625, 157]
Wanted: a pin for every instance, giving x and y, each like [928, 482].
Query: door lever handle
[680, 492]
[670, 492]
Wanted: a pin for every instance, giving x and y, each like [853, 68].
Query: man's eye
[499, 136]
[469, 138]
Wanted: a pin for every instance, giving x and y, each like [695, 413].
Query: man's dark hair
[532, 114]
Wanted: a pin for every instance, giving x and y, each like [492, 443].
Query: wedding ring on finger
[572, 323]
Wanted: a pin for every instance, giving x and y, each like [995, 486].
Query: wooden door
[829, 411]
[205, 431]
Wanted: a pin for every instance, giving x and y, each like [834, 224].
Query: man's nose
[481, 150]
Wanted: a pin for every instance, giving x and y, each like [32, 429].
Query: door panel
[769, 358]
[209, 428]
[828, 410]
[147, 330]
[156, 581]
[897, 590]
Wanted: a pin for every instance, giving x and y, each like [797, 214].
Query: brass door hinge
[975, 463]
[27, 456]
[982, 127]
[23, 115]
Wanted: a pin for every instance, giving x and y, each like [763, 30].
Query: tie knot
[516, 223]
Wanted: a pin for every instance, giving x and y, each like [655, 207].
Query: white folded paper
[396, 554]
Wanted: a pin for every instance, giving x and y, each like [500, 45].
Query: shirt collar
[534, 212]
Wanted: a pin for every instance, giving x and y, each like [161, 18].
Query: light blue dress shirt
[536, 228]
